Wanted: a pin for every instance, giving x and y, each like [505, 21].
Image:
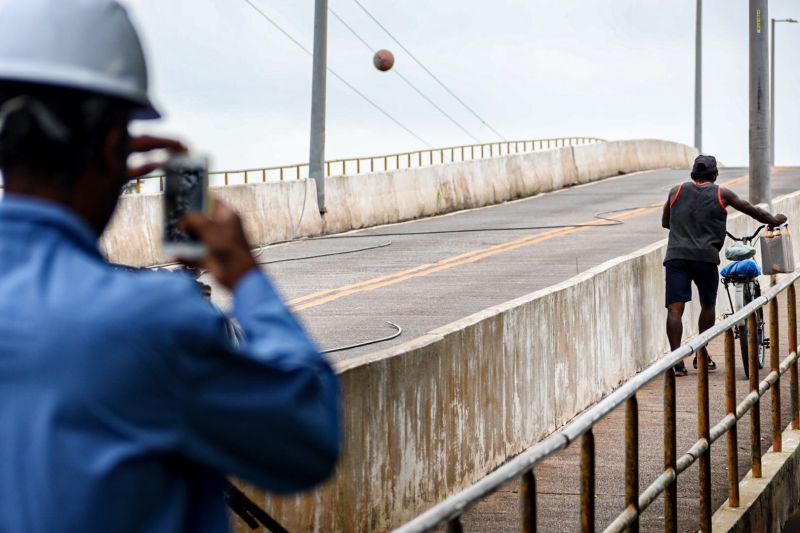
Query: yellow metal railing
[384, 163]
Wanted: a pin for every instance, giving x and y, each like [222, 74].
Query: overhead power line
[402, 77]
[336, 75]
[426, 69]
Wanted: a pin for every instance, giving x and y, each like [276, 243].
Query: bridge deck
[422, 282]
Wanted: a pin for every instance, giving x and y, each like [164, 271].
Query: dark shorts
[680, 274]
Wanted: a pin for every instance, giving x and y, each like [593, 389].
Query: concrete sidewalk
[558, 477]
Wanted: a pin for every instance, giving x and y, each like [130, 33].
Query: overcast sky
[231, 85]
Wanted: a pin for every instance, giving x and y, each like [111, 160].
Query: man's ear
[114, 150]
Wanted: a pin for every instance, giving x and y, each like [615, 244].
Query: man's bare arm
[665, 214]
[732, 199]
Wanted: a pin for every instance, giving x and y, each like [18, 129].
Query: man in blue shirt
[123, 402]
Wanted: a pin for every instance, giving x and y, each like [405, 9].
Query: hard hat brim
[71, 78]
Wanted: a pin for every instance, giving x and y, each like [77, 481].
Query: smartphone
[185, 190]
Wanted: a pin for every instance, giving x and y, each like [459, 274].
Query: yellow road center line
[325, 296]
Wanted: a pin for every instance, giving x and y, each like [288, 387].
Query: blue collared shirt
[122, 399]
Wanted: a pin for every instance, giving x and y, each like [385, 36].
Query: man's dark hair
[53, 133]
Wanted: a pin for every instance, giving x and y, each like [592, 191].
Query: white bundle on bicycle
[777, 256]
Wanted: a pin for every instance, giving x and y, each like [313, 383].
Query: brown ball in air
[383, 60]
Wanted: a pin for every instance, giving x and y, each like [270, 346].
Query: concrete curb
[766, 503]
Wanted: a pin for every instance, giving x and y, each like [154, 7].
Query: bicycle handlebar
[747, 239]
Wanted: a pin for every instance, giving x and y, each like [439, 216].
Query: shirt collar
[27, 209]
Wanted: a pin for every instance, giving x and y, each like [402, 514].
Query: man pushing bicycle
[695, 214]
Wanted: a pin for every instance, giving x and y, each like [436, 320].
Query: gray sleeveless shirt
[697, 222]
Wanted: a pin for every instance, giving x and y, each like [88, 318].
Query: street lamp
[772, 90]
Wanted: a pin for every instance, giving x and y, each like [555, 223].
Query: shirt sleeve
[267, 411]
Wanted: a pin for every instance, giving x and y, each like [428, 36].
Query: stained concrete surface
[558, 481]
[442, 295]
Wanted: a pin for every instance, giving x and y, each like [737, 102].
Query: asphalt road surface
[421, 281]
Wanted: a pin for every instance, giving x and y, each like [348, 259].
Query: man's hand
[229, 257]
[147, 143]
[779, 221]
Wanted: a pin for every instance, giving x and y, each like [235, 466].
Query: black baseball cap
[705, 166]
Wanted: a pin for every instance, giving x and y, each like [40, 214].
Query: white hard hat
[89, 45]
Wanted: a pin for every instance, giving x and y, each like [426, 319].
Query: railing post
[226, 178]
[527, 502]
[372, 164]
[409, 159]
[419, 154]
[472, 152]
[482, 147]
[670, 453]
[245, 177]
[774, 366]
[730, 410]
[632, 459]
[704, 432]
[328, 167]
[755, 411]
[793, 388]
[358, 166]
[161, 184]
[587, 482]
[263, 175]
[298, 171]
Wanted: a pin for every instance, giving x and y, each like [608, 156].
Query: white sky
[233, 86]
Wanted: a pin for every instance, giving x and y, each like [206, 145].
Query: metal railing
[523, 466]
[384, 163]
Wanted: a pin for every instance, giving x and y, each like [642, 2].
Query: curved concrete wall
[271, 211]
[427, 418]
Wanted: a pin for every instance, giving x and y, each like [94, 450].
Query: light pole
[698, 79]
[772, 90]
[760, 187]
[316, 158]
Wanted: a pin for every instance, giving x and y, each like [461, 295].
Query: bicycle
[743, 274]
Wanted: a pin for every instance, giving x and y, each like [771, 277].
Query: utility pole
[772, 89]
[772, 94]
[760, 187]
[698, 78]
[316, 158]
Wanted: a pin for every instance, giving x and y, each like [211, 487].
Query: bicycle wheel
[751, 291]
[762, 346]
[741, 331]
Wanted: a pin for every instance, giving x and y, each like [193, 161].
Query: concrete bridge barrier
[271, 211]
[429, 417]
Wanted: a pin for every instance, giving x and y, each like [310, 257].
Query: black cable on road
[345, 252]
[397, 331]
[609, 222]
